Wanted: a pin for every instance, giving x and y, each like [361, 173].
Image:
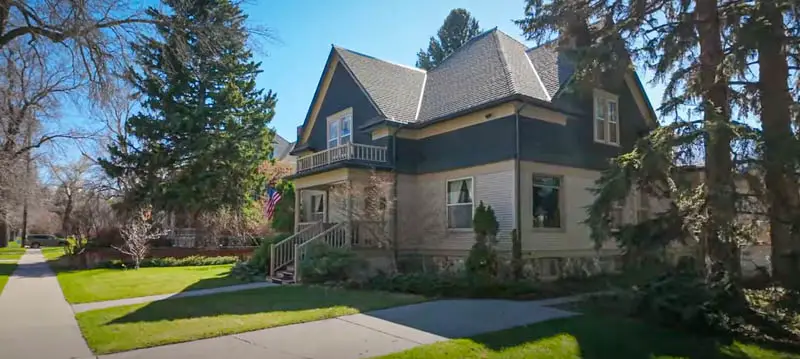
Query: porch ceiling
[323, 179]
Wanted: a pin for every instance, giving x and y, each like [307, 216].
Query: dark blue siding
[343, 92]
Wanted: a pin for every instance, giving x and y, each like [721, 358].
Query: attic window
[340, 128]
[606, 118]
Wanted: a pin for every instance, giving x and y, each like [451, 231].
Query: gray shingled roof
[490, 67]
[552, 66]
[395, 89]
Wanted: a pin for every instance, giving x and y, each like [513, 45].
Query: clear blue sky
[389, 30]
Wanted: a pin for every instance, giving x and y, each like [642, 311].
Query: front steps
[284, 276]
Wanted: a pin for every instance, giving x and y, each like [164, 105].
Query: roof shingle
[489, 67]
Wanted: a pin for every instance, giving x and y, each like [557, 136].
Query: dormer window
[340, 127]
[606, 118]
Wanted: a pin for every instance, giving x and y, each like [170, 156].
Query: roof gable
[395, 89]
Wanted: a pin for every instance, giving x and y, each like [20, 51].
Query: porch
[329, 208]
[353, 153]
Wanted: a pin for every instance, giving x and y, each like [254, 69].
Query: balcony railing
[350, 151]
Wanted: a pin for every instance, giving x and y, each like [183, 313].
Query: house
[281, 150]
[493, 123]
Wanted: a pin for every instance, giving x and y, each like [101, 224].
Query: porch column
[297, 196]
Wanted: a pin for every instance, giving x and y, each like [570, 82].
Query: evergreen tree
[458, 28]
[202, 132]
[682, 42]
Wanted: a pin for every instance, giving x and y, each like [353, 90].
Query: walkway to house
[152, 298]
[35, 319]
[362, 335]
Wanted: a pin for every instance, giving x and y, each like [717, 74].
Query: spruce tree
[202, 130]
[458, 28]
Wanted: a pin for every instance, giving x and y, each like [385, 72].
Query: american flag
[273, 196]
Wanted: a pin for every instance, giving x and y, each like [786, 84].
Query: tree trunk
[783, 195]
[718, 242]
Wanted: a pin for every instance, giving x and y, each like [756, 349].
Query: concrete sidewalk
[35, 320]
[361, 335]
[152, 298]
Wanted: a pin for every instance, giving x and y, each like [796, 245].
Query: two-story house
[492, 123]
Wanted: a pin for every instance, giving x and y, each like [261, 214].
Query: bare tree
[137, 234]
[70, 182]
[371, 208]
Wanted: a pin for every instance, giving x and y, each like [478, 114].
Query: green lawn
[52, 253]
[5, 271]
[94, 285]
[184, 319]
[589, 337]
[12, 252]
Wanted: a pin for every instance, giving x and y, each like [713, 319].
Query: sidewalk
[152, 298]
[361, 335]
[37, 322]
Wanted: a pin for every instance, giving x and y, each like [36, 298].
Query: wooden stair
[284, 276]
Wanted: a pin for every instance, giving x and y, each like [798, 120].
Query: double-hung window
[340, 128]
[546, 201]
[606, 118]
[459, 203]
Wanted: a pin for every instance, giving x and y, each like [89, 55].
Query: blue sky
[389, 30]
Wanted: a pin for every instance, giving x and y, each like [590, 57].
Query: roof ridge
[378, 59]
[473, 39]
[502, 55]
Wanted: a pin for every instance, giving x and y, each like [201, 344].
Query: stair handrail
[281, 253]
[335, 236]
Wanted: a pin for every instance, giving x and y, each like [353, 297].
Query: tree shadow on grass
[282, 299]
[596, 337]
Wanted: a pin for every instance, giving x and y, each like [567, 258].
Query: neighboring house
[491, 124]
[281, 150]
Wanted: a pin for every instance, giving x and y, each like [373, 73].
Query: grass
[94, 285]
[590, 337]
[52, 253]
[12, 252]
[5, 271]
[184, 319]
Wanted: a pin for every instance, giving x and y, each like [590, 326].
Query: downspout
[517, 181]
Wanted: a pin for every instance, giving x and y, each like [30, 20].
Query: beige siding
[575, 196]
[422, 212]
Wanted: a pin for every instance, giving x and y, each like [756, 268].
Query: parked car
[45, 240]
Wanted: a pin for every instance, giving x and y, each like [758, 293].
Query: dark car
[45, 240]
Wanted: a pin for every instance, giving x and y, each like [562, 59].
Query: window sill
[549, 230]
[607, 143]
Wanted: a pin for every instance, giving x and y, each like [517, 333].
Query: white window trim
[339, 118]
[448, 205]
[314, 211]
[561, 203]
[606, 97]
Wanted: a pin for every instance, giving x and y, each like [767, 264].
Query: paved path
[152, 298]
[361, 335]
[35, 320]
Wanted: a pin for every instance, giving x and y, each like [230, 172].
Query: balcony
[350, 152]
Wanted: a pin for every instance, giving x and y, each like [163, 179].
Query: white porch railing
[350, 151]
[283, 252]
[335, 237]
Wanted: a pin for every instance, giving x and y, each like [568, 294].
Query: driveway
[362, 335]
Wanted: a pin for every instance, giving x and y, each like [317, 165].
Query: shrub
[106, 237]
[452, 286]
[482, 258]
[326, 264]
[174, 262]
[261, 255]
